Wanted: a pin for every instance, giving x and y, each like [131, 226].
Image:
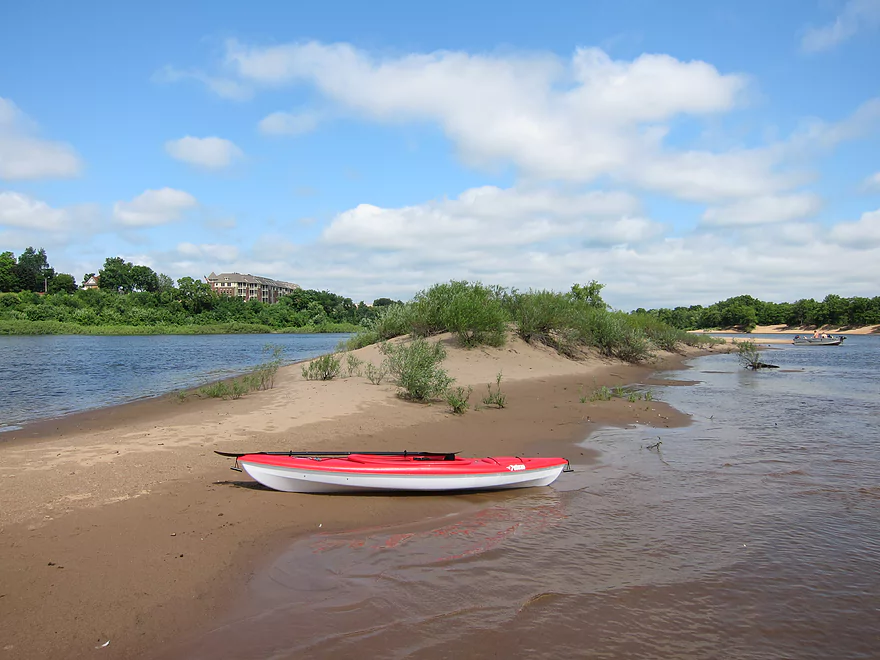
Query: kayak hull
[300, 475]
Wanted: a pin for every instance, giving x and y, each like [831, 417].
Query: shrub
[216, 390]
[601, 394]
[353, 365]
[394, 321]
[472, 312]
[537, 315]
[749, 355]
[364, 337]
[458, 399]
[325, 367]
[263, 377]
[497, 397]
[416, 369]
[239, 388]
[375, 374]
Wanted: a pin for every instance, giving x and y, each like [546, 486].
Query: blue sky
[678, 152]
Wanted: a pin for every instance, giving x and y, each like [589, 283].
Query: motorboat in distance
[828, 340]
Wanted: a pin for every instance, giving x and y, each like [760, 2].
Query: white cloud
[153, 207]
[221, 253]
[208, 152]
[856, 15]
[287, 123]
[782, 261]
[861, 235]
[226, 88]
[826, 135]
[763, 210]
[574, 119]
[872, 182]
[24, 155]
[21, 211]
[491, 217]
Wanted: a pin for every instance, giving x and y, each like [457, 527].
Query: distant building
[94, 282]
[250, 287]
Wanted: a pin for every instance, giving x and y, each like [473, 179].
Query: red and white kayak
[403, 472]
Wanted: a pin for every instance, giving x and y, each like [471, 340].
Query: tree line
[747, 312]
[135, 295]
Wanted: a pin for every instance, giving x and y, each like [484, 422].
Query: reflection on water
[49, 376]
[753, 533]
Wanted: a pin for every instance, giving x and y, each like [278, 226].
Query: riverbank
[62, 328]
[122, 524]
[787, 330]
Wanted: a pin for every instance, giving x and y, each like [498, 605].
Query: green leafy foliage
[458, 399]
[375, 374]
[325, 367]
[749, 355]
[744, 312]
[416, 369]
[495, 397]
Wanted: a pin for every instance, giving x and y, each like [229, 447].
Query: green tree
[116, 275]
[144, 279]
[33, 270]
[8, 277]
[164, 282]
[62, 283]
[834, 310]
[589, 294]
[195, 295]
[803, 312]
[741, 315]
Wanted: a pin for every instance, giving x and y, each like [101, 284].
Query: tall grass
[261, 377]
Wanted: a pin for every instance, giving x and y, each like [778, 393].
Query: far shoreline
[59, 328]
[783, 329]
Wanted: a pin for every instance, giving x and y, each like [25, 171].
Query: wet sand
[122, 524]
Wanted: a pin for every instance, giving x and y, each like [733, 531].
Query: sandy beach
[122, 525]
[786, 330]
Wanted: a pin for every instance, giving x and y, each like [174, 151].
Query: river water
[752, 533]
[54, 375]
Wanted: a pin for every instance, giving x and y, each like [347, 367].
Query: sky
[679, 152]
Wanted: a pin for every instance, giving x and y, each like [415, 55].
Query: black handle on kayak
[444, 455]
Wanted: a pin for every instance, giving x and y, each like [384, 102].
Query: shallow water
[752, 533]
[54, 375]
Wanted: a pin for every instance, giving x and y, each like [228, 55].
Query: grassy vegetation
[571, 323]
[261, 377]
[604, 393]
[65, 328]
[495, 397]
[458, 398]
[375, 374]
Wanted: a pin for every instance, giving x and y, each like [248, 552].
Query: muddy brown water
[752, 533]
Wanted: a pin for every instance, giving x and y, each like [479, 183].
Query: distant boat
[829, 340]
